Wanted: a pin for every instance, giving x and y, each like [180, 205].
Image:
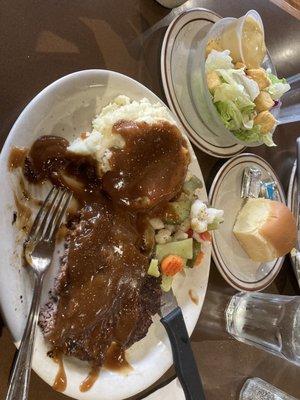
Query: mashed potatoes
[99, 142]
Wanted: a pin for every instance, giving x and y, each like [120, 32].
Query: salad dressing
[245, 39]
[253, 43]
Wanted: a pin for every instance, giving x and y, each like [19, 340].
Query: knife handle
[184, 361]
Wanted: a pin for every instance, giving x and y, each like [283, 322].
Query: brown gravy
[115, 359]
[90, 379]
[101, 299]
[151, 167]
[24, 190]
[104, 299]
[46, 158]
[23, 214]
[60, 382]
[16, 157]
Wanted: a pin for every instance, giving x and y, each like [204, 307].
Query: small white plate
[232, 261]
[179, 48]
[66, 108]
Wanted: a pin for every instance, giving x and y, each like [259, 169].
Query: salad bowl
[203, 99]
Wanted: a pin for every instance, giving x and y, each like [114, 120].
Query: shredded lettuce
[234, 97]
[233, 117]
[249, 135]
[267, 138]
[232, 92]
[277, 87]
[238, 77]
[254, 135]
[218, 60]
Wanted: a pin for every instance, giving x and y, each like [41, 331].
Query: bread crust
[280, 228]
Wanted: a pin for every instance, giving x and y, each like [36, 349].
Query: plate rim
[269, 278]
[11, 136]
[167, 86]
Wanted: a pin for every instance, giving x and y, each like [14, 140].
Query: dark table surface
[40, 41]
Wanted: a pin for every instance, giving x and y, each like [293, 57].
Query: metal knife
[183, 357]
[298, 187]
[297, 206]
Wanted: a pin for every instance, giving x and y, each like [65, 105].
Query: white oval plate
[179, 48]
[66, 108]
[233, 263]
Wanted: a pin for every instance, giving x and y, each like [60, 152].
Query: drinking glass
[258, 389]
[270, 322]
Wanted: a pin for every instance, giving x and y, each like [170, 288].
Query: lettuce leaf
[233, 101]
[231, 92]
[249, 135]
[234, 115]
[234, 97]
[218, 59]
[277, 87]
[267, 138]
[230, 114]
[238, 77]
[254, 135]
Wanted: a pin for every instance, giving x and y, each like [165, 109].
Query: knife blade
[183, 357]
[168, 303]
[298, 189]
[296, 255]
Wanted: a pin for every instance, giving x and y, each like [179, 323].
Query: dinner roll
[266, 229]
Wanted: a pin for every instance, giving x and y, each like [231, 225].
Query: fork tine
[57, 216]
[43, 226]
[41, 214]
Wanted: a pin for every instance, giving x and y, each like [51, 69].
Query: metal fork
[38, 250]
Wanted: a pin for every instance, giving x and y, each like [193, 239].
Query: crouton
[239, 65]
[263, 102]
[212, 45]
[260, 77]
[213, 81]
[266, 121]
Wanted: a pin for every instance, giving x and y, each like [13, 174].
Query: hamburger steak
[103, 295]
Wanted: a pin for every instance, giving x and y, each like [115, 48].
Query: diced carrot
[205, 236]
[199, 258]
[190, 233]
[172, 264]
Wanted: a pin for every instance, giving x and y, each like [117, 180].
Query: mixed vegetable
[180, 230]
[243, 96]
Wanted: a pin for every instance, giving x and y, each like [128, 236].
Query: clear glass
[200, 94]
[258, 389]
[290, 107]
[270, 322]
[231, 37]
